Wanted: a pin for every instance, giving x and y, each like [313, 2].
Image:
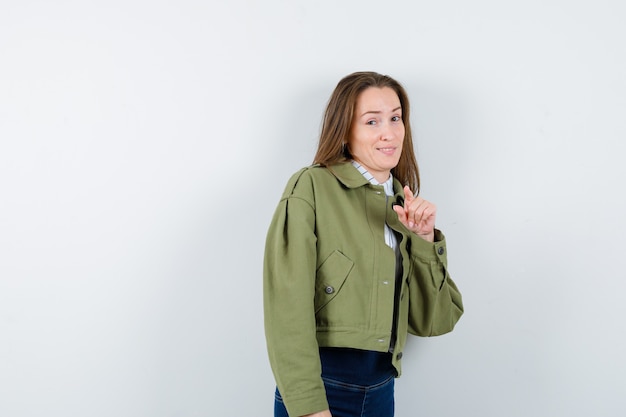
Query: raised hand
[418, 215]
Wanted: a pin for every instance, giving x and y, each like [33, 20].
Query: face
[377, 131]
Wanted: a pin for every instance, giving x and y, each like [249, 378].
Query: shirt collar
[387, 185]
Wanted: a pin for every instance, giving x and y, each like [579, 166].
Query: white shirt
[390, 237]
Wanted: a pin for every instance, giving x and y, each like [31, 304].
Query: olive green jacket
[329, 279]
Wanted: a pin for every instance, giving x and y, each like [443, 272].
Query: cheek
[356, 140]
[401, 133]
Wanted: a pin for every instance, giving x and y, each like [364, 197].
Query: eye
[396, 119]
[371, 122]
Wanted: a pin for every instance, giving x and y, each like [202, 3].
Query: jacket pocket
[331, 275]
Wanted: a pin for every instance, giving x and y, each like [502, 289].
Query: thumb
[399, 209]
[401, 214]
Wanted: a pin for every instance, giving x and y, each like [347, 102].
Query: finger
[408, 195]
[408, 201]
[423, 210]
[416, 209]
[427, 220]
[402, 214]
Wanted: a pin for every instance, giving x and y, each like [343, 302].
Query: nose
[387, 133]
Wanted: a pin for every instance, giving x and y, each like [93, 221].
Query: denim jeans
[358, 384]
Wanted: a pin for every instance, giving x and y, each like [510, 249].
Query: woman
[353, 261]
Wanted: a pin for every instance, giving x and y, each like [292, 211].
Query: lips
[387, 151]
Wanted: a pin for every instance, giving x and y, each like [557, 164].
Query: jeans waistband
[355, 366]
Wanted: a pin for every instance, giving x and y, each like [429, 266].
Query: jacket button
[329, 290]
[440, 251]
[399, 356]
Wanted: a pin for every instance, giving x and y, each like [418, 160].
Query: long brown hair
[337, 122]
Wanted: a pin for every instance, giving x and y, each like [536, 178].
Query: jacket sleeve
[288, 299]
[435, 303]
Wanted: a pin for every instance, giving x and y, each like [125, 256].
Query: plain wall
[144, 146]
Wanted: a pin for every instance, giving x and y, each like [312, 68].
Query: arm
[289, 288]
[435, 303]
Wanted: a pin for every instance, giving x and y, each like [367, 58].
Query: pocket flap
[331, 275]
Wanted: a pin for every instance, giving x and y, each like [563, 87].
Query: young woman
[353, 261]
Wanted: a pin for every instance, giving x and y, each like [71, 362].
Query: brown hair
[337, 122]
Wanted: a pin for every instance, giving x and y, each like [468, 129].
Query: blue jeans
[358, 384]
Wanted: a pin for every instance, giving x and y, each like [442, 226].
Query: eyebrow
[378, 111]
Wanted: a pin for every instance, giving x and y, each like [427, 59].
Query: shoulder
[311, 171]
[304, 180]
[317, 179]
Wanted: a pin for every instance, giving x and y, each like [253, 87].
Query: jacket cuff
[428, 251]
[302, 407]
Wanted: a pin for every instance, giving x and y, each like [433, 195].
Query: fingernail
[411, 224]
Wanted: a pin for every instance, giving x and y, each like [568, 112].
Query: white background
[144, 146]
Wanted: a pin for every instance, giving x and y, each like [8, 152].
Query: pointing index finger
[408, 195]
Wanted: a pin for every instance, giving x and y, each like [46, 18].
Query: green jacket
[329, 279]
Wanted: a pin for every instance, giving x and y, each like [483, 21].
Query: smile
[387, 151]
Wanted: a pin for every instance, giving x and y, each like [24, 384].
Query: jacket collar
[348, 175]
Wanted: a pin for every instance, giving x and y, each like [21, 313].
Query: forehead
[377, 99]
